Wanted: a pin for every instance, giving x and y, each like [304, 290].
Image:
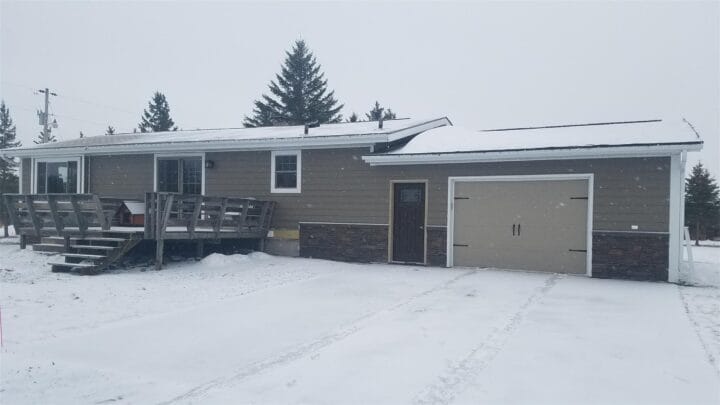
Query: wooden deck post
[200, 249]
[159, 242]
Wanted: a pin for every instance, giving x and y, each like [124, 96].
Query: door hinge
[577, 250]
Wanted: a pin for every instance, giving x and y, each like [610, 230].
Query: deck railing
[59, 214]
[182, 216]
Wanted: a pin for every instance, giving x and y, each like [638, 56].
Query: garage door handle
[513, 229]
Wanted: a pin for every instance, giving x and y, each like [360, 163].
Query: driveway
[310, 331]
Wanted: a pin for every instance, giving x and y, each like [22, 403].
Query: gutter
[555, 153]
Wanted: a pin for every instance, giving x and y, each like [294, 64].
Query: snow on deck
[456, 139]
[262, 329]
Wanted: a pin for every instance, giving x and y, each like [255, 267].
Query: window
[286, 169]
[180, 175]
[56, 177]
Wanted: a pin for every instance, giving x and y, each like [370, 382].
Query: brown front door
[408, 222]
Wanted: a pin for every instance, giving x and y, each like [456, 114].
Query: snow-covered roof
[532, 142]
[346, 134]
[135, 207]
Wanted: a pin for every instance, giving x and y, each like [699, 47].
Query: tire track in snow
[309, 348]
[714, 329]
[453, 380]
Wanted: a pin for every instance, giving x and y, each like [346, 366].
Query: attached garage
[598, 199]
[538, 223]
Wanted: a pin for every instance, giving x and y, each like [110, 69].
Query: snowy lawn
[262, 329]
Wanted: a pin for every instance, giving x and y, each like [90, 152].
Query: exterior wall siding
[336, 184]
[26, 173]
[122, 176]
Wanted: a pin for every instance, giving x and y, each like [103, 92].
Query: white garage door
[528, 225]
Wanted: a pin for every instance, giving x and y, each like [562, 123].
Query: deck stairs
[88, 254]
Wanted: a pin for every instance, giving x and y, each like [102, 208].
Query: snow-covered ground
[262, 329]
[706, 265]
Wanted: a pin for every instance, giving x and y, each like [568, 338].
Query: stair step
[63, 264]
[103, 239]
[83, 256]
[96, 247]
[48, 247]
[60, 239]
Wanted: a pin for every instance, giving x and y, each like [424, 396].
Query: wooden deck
[168, 216]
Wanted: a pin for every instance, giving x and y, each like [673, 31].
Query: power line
[75, 99]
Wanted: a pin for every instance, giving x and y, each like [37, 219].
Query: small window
[286, 172]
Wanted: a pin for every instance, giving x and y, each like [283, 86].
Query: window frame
[298, 172]
[179, 156]
[79, 161]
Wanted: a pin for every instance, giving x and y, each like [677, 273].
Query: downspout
[681, 231]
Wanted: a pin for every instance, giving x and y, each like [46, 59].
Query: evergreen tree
[377, 111]
[110, 130]
[156, 118]
[8, 179]
[298, 95]
[353, 118]
[51, 137]
[702, 202]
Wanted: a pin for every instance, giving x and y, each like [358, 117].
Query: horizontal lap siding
[337, 186]
[26, 172]
[125, 176]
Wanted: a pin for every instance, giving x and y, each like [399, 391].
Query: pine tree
[9, 181]
[377, 111]
[353, 118]
[110, 130]
[702, 202]
[41, 139]
[298, 95]
[156, 118]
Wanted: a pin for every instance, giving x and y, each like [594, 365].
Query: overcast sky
[484, 65]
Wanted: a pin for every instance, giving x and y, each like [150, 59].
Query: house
[601, 199]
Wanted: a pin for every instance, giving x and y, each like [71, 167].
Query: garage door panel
[550, 219]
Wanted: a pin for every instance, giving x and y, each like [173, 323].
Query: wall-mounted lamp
[209, 164]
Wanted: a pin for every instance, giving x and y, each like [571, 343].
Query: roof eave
[531, 154]
[324, 142]
[204, 146]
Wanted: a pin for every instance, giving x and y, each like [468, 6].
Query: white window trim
[80, 171]
[296, 153]
[178, 155]
[590, 177]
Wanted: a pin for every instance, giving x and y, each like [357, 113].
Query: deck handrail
[206, 216]
[59, 214]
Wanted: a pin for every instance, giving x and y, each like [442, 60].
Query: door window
[56, 177]
[180, 175]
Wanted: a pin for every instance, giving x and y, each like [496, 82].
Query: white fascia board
[414, 130]
[207, 146]
[509, 156]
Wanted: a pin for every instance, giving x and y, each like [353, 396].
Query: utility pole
[45, 116]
